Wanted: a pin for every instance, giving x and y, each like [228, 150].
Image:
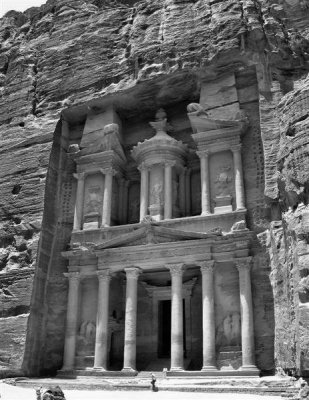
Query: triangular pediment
[151, 233]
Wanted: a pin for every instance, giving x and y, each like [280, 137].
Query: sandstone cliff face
[69, 52]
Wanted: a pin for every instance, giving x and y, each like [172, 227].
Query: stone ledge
[226, 373]
[199, 223]
[95, 373]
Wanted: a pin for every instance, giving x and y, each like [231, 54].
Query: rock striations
[58, 57]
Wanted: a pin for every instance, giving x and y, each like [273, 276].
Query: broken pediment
[150, 233]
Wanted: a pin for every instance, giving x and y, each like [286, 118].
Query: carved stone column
[144, 191]
[129, 360]
[205, 187]
[79, 204]
[188, 192]
[247, 329]
[209, 324]
[71, 322]
[176, 271]
[168, 190]
[107, 197]
[101, 339]
[182, 192]
[239, 183]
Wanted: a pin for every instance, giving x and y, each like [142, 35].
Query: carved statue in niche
[223, 181]
[231, 329]
[134, 210]
[93, 200]
[86, 337]
[156, 194]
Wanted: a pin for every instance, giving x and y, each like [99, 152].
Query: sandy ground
[9, 392]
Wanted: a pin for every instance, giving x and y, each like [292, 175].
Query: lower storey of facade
[179, 318]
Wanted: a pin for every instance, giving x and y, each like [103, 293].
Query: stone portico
[135, 264]
[151, 284]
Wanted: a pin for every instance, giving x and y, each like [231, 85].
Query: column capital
[73, 276]
[108, 171]
[243, 263]
[79, 176]
[207, 266]
[176, 269]
[169, 163]
[203, 154]
[132, 272]
[236, 148]
[104, 275]
[143, 166]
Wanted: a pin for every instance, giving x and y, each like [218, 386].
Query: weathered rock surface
[69, 52]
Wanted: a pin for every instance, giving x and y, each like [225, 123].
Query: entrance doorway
[164, 331]
[164, 339]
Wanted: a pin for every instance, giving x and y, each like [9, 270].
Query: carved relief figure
[223, 181]
[86, 337]
[93, 199]
[156, 195]
[231, 329]
[236, 328]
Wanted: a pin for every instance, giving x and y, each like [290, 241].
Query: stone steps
[282, 388]
[147, 374]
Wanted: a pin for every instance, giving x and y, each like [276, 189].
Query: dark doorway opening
[164, 342]
[164, 334]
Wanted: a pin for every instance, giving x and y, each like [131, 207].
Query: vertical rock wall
[69, 52]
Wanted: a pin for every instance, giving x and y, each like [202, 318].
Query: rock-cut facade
[154, 188]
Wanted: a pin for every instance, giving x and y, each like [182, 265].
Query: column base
[249, 368]
[66, 373]
[101, 369]
[66, 369]
[176, 369]
[205, 213]
[209, 368]
[129, 370]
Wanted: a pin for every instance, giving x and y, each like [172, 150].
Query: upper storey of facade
[178, 166]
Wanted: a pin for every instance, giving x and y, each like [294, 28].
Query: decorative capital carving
[108, 171]
[104, 275]
[132, 272]
[207, 266]
[203, 154]
[74, 277]
[243, 264]
[79, 176]
[176, 269]
[169, 163]
[236, 148]
[143, 167]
